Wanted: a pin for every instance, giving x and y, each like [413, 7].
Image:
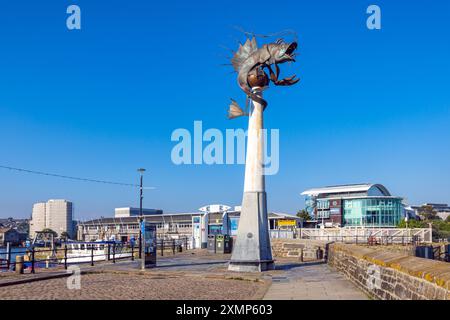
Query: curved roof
[345, 189]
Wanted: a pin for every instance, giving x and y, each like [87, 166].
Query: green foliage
[304, 215]
[413, 224]
[64, 235]
[448, 219]
[428, 213]
[441, 225]
[441, 229]
[50, 231]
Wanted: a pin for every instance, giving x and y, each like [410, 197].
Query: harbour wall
[389, 275]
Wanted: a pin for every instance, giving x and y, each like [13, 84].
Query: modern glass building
[373, 211]
[357, 205]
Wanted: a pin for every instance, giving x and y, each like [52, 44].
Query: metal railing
[111, 252]
[173, 245]
[61, 256]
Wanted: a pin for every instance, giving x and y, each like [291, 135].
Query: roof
[172, 217]
[342, 189]
[132, 219]
[279, 215]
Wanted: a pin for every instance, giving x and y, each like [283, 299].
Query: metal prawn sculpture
[249, 60]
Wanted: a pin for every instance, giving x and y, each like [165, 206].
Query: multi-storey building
[56, 215]
[37, 222]
[366, 204]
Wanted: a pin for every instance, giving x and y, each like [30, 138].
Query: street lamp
[141, 196]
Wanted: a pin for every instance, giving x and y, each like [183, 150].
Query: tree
[441, 230]
[413, 224]
[428, 212]
[50, 231]
[448, 219]
[304, 215]
[64, 235]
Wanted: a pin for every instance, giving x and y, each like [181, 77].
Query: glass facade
[376, 212]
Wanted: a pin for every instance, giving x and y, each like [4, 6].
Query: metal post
[114, 252]
[140, 238]
[32, 260]
[65, 256]
[8, 255]
[132, 251]
[141, 196]
[109, 252]
[162, 247]
[185, 243]
[173, 246]
[92, 255]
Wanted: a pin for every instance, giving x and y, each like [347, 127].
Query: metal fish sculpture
[249, 60]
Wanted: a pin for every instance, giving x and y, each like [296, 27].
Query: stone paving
[108, 286]
[312, 281]
[191, 275]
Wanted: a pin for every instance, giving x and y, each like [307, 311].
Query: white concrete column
[251, 250]
[254, 171]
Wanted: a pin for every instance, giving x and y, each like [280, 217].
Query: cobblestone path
[133, 286]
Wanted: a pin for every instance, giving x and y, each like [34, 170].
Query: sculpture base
[252, 251]
[251, 266]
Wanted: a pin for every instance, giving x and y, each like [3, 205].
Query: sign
[335, 203]
[335, 211]
[148, 247]
[234, 223]
[215, 208]
[287, 223]
[196, 232]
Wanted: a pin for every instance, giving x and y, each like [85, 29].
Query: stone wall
[303, 249]
[410, 250]
[388, 275]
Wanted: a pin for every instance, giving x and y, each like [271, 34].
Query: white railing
[364, 235]
[282, 234]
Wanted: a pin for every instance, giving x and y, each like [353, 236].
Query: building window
[372, 212]
[323, 204]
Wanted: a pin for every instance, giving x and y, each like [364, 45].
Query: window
[323, 214]
[323, 204]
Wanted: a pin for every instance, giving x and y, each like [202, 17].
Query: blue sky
[372, 106]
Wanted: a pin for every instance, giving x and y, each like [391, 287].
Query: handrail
[112, 249]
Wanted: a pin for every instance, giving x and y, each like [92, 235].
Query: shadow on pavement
[189, 264]
[289, 266]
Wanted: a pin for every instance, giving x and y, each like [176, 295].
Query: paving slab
[313, 281]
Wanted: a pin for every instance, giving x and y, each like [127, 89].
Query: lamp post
[141, 196]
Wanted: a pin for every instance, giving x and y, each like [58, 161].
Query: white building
[37, 222]
[56, 215]
[196, 226]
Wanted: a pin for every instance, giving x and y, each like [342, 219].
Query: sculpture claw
[287, 81]
[283, 82]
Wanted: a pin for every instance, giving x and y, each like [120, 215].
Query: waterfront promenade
[190, 275]
[312, 281]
